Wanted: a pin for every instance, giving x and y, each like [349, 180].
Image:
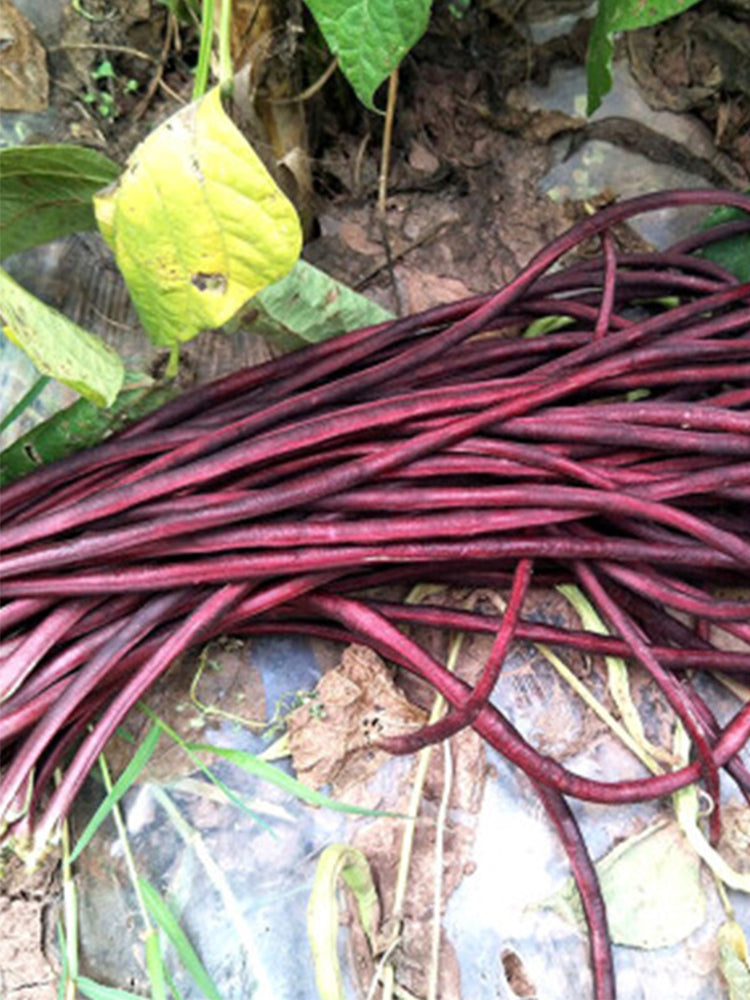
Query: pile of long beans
[612, 451]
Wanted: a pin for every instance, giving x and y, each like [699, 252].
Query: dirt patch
[28, 970]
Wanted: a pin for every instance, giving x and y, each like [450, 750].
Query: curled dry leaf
[24, 83]
[331, 736]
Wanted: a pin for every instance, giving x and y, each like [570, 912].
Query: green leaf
[59, 347]
[186, 11]
[546, 324]
[351, 865]
[628, 15]
[197, 224]
[651, 887]
[370, 37]
[135, 765]
[732, 253]
[104, 71]
[81, 425]
[599, 57]
[308, 305]
[46, 192]
[267, 772]
[620, 15]
[188, 956]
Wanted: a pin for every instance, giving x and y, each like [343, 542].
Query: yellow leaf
[733, 960]
[350, 864]
[651, 887]
[58, 346]
[197, 224]
[687, 811]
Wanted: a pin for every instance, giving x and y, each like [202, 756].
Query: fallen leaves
[332, 736]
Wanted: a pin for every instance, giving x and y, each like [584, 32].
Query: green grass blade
[96, 991]
[164, 917]
[135, 766]
[217, 782]
[176, 994]
[26, 400]
[69, 915]
[155, 966]
[246, 935]
[267, 772]
[64, 969]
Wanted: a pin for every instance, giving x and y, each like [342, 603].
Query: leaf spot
[32, 454]
[209, 282]
[196, 168]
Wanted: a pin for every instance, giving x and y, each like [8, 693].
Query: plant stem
[385, 156]
[225, 53]
[204, 52]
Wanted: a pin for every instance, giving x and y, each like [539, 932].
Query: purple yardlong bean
[501, 734]
[592, 900]
[611, 452]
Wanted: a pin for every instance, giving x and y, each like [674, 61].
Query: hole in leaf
[209, 282]
[516, 975]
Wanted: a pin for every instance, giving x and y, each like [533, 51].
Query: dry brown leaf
[422, 159]
[264, 47]
[332, 736]
[24, 84]
[356, 238]
[424, 290]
